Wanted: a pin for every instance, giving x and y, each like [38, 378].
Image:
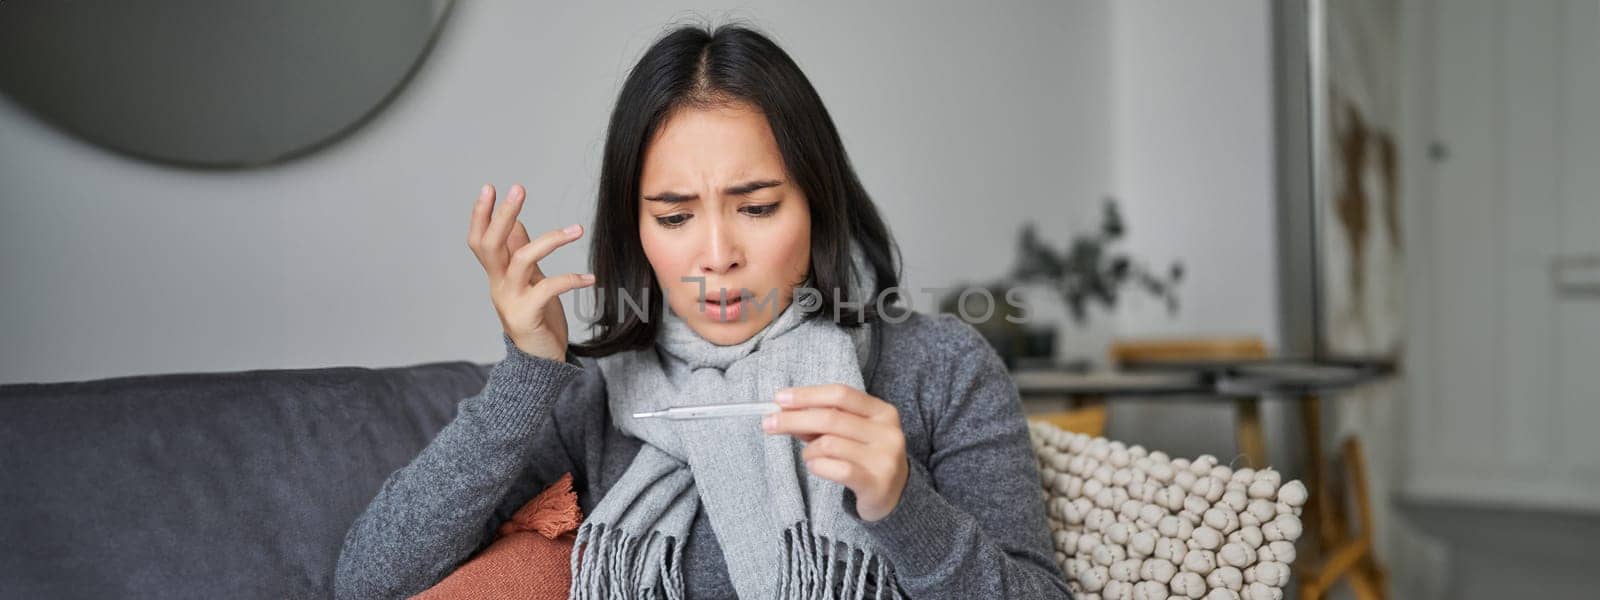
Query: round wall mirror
[213, 83]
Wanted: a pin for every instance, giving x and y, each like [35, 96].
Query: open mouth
[724, 307]
[721, 300]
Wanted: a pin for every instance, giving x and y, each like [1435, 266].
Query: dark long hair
[698, 67]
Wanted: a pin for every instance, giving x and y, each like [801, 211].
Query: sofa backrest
[208, 485]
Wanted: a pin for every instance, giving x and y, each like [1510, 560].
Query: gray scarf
[783, 532]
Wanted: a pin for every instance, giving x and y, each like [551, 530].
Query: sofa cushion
[214, 485]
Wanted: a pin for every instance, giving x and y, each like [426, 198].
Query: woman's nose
[723, 251]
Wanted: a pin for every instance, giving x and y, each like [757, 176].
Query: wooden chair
[1345, 554]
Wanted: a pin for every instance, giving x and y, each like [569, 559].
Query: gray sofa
[205, 485]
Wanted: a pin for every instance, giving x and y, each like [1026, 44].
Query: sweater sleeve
[431, 514]
[971, 523]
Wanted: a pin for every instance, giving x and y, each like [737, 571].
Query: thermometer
[710, 411]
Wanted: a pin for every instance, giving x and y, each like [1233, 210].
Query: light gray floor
[1505, 553]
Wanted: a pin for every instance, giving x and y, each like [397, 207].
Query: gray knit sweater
[970, 524]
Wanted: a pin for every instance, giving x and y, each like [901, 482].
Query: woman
[736, 258]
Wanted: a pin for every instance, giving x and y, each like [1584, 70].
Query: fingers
[838, 396]
[492, 245]
[833, 446]
[501, 242]
[839, 471]
[851, 438]
[550, 287]
[811, 422]
[519, 237]
[480, 218]
[841, 460]
[524, 265]
[487, 234]
[878, 479]
[855, 465]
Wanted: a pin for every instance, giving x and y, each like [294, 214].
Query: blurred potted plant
[1091, 270]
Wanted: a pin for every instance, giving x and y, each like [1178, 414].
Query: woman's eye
[670, 221]
[761, 210]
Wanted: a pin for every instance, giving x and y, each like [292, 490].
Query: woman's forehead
[716, 144]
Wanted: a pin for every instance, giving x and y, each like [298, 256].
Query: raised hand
[526, 300]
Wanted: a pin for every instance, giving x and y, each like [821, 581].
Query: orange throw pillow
[530, 555]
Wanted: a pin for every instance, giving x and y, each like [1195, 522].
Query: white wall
[963, 120]
[1192, 166]
[1192, 115]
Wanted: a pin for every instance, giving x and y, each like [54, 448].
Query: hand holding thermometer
[710, 411]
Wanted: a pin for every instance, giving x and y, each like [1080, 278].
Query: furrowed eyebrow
[746, 188]
[672, 198]
[738, 190]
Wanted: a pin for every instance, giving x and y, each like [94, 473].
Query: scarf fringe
[816, 567]
[607, 563]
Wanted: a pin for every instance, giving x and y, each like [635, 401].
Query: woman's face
[719, 211]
